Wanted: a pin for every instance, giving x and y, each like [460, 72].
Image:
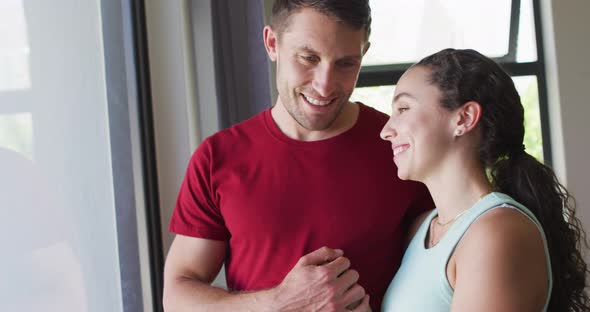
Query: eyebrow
[312, 51]
[308, 49]
[399, 95]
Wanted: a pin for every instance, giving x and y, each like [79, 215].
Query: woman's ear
[468, 117]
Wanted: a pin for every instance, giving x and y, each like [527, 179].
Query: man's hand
[322, 281]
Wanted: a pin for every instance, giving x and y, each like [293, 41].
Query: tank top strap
[492, 200]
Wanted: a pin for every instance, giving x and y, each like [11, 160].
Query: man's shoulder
[240, 132]
[225, 144]
[372, 115]
[370, 123]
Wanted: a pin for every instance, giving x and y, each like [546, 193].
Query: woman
[498, 239]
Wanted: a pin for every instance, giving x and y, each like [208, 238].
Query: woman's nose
[388, 132]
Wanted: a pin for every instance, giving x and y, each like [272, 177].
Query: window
[66, 190]
[16, 126]
[404, 31]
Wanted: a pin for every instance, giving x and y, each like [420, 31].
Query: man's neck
[345, 121]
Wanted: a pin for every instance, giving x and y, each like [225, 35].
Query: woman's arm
[500, 265]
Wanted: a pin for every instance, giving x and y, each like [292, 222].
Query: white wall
[568, 73]
[183, 93]
[173, 99]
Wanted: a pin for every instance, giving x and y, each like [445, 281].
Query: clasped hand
[323, 281]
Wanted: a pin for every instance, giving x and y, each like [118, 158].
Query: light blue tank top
[421, 282]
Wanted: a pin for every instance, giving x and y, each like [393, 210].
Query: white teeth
[399, 149]
[316, 102]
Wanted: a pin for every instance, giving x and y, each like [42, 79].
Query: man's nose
[324, 81]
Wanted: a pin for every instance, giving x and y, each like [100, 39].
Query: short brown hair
[354, 13]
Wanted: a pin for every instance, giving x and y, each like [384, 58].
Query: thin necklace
[457, 216]
[431, 227]
[452, 220]
[431, 240]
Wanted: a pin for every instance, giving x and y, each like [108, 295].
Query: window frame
[384, 75]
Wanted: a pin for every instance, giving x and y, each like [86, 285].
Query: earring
[458, 132]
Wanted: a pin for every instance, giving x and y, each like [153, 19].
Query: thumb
[320, 256]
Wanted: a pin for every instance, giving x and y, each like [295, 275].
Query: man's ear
[468, 117]
[270, 42]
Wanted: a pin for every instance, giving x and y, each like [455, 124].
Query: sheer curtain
[241, 63]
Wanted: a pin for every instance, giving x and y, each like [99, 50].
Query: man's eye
[311, 59]
[402, 109]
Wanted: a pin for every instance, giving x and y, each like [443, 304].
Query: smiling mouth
[316, 102]
[400, 149]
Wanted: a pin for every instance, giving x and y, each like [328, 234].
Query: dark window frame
[148, 152]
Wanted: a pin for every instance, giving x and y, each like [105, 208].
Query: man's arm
[191, 265]
[319, 281]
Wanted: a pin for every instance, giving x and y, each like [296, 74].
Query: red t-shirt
[275, 199]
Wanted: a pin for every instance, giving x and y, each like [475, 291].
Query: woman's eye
[402, 109]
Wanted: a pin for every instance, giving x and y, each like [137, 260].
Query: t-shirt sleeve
[197, 213]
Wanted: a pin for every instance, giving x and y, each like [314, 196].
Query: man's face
[318, 62]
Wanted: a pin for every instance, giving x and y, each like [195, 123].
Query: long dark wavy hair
[466, 75]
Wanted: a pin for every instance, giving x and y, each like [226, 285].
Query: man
[265, 195]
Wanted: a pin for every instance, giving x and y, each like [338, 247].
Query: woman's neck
[457, 187]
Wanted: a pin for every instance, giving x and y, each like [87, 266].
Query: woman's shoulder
[503, 230]
[504, 224]
[505, 248]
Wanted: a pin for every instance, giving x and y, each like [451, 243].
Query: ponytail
[536, 186]
[467, 75]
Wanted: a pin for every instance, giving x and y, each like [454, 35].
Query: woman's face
[420, 129]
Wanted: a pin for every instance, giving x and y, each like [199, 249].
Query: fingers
[347, 279]
[364, 306]
[338, 266]
[353, 296]
[320, 256]
[325, 274]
